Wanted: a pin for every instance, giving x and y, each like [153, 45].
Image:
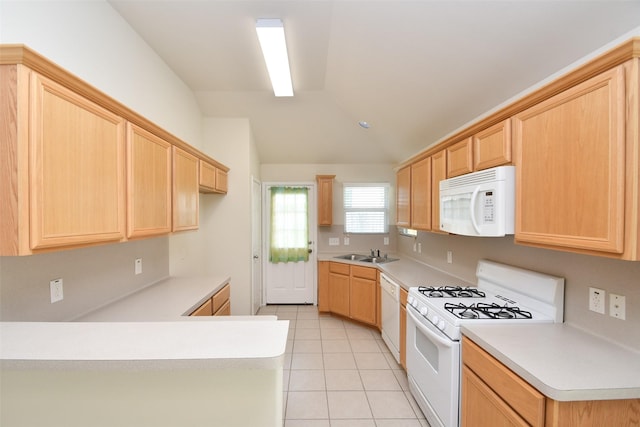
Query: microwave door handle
[472, 208]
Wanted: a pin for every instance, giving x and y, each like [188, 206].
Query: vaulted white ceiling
[415, 70]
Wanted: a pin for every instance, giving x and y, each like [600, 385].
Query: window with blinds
[366, 208]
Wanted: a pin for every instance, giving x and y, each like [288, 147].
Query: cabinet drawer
[221, 297]
[204, 310]
[363, 272]
[339, 268]
[522, 397]
[225, 310]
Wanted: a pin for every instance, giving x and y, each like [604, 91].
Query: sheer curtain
[289, 224]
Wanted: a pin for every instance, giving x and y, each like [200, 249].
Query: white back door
[291, 282]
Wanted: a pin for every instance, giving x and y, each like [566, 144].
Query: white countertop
[141, 345]
[561, 361]
[149, 329]
[169, 299]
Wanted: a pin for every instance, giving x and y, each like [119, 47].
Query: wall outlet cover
[55, 286]
[596, 300]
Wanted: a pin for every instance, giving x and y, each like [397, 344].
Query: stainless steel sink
[365, 258]
[352, 257]
[378, 260]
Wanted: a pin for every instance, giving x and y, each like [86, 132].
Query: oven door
[433, 367]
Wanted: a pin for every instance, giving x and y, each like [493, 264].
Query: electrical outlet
[596, 300]
[617, 306]
[345, 241]
[415, 246]
[138, 268]
[334, 241]
[419, 248]
[386, 241]
[55, 286]
[449, 257]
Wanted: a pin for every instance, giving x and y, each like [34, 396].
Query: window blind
[366, 208]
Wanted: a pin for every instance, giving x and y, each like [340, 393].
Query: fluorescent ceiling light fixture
[274, 49]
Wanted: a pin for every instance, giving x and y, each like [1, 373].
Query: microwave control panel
[488, 207]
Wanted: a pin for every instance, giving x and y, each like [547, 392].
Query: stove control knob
[441, 325]
[424, 311]
[414, 303]
[410, 300]
[435, 320]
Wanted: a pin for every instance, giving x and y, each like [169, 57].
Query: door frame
[313, 231]
[256, 288]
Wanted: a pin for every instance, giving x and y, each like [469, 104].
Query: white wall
[225, 221]
[345, 173]
[92, 41]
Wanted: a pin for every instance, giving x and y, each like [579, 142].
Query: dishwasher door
[391, 315]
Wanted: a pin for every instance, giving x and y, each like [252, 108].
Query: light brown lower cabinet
[403, 328]
[218, 305]
[348, 290]
[493, 395]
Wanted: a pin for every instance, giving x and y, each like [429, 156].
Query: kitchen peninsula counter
[561, 361]
[142, 361]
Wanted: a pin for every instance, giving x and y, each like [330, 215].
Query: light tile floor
[338, 373]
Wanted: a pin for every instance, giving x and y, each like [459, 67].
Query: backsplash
[357, 243]
[91, 277]
[580, 273]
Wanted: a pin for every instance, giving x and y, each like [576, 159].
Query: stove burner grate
[486, 311]
[451, 292]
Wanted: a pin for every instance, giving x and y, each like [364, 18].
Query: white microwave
[479, 203]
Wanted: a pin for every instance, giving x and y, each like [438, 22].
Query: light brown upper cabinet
[212, 178]
[148, 183]
[403, 197]
[420, 200]
[185, 190]
[325, 199]
[438, 173]
[570, 168]
[62, 173]
[492, 146]
[460, 158]
[71, 174]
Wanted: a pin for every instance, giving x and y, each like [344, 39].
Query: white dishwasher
[391, 315]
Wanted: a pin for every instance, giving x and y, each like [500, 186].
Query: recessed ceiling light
[364, 125]
[274, 48]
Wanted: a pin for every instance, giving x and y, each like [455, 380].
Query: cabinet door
[403, 197]
[221, 181]
[148, 183]
[207, 179]
[185, 190]
[323, 286]
[438, 173]
[421, 194]
[403, 328]
[460, 158]
[77, 169]
[363, 300]
[570, 168]
[492, 146]
[339, 294]
[482, 407]
[325, 199]
[206, 309]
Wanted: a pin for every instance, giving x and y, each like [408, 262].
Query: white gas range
[435, 313]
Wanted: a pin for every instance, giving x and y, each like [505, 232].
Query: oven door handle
[445, 342]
